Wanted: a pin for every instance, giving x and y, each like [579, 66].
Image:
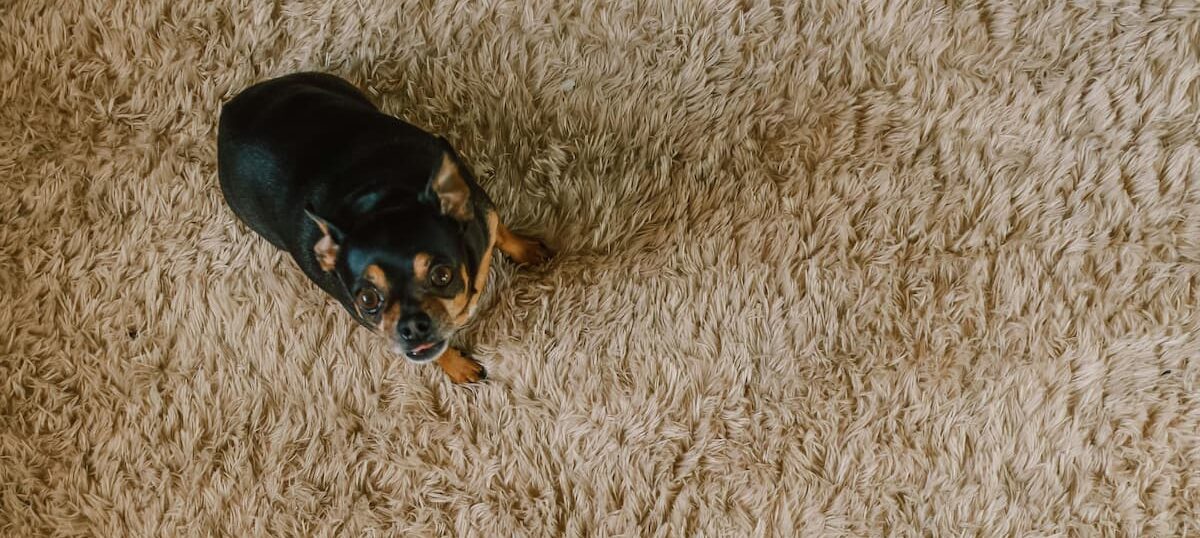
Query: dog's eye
[369, 300]
[441, 276]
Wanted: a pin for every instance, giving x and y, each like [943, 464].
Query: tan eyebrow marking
[375, 275]
[421, 263]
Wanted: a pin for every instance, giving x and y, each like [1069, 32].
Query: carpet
[825, 269]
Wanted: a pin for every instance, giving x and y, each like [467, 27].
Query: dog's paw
[537, 253]
[461, 368]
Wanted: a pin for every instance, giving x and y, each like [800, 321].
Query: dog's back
[275, 137]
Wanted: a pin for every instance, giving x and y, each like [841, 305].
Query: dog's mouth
[421, 353]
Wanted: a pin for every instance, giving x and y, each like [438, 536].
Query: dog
[380, 214]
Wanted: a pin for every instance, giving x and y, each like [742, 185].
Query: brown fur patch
[461, 368]
[389, 320]
[451, 311]
[391, 315]
[485, 264]
[421, 263]
[375, 275]
[457, 306]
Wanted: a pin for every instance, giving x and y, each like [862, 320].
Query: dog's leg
[461, 368]
[521, 249]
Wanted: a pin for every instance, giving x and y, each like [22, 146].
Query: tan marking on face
[449, 311]
[389, 320]
[421, 263]
[391, 313]
[375, 275]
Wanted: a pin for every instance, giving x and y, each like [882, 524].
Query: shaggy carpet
[882, 268]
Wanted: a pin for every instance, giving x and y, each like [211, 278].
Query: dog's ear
[448, 188]
[326, 248]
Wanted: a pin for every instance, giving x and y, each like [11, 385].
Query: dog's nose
[415, 328]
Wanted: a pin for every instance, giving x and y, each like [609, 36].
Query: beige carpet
[901, 268]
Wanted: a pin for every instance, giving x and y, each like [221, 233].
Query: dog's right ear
[447, 187]
[326, 248]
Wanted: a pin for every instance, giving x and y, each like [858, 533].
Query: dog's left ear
[448, 186]
[327, 247]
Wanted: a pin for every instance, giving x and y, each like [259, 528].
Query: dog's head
[407, 267]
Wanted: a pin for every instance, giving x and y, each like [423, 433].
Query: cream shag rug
[891, 268]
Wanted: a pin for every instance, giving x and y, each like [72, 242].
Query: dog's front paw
[522, 249]
[461, 368]
[537, 253]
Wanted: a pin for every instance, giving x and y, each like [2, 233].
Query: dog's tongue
[422, 347]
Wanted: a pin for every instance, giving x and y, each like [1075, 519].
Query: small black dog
[381, 215]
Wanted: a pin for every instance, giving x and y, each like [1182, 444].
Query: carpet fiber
[887, 268]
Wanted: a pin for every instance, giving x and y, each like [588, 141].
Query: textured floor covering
[891, 268]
